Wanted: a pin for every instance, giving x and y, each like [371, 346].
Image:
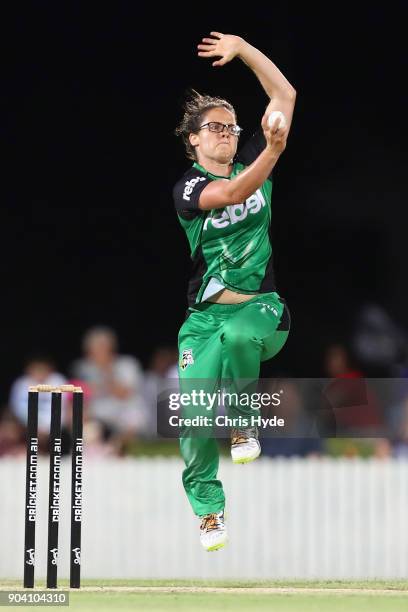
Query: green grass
[400, 585]
[349, 447]
[334, 447]
[165, 448]
[153, 448]
[235, 600]
[217, 602]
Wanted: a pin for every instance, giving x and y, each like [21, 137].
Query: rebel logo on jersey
[189, 186]
[236, 212]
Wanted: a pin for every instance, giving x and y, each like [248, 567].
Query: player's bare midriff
[226, 296]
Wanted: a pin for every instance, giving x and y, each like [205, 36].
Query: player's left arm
[227, 46]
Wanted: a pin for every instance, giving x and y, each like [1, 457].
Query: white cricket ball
[273, 116]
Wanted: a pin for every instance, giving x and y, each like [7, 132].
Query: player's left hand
[226, 46]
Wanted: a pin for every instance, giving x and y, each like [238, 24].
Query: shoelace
[240, 436]
[211, 522]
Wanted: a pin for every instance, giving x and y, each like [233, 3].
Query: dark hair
[195, 107]
[39, 357]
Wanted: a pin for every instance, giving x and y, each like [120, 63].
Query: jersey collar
[197, 165]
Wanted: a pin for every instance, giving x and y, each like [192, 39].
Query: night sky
[90, 99]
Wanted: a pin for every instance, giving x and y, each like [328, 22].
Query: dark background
[91, 95]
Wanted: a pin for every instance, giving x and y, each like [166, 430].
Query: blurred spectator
[301, 438]
[95, 445]
[357, 406]
[382, 448]
[39, 370]
[398, 419]
[337, 363]
[378, 343]
[116, 385]
[162, 361]
[12, 438]
[173, 371]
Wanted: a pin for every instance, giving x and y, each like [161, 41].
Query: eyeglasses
[216, 126]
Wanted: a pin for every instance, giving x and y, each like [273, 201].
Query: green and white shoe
[245, 445]
[213, 532]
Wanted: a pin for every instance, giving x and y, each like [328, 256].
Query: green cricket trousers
[222, 342]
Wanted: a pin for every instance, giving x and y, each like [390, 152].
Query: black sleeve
[186, 193]
[252, 148]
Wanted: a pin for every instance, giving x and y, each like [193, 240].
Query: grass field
[213, 596]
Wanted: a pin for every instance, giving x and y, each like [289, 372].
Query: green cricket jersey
[230, 246]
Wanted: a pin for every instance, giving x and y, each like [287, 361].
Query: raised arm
[222, 192]
[227, 46]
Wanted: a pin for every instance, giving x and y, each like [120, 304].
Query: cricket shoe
[213, 532]
[245, 445]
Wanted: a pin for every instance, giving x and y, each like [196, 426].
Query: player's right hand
[275, 137]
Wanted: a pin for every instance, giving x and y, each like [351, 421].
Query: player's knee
[235, 337]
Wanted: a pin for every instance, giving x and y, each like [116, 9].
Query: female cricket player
[235, 318]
